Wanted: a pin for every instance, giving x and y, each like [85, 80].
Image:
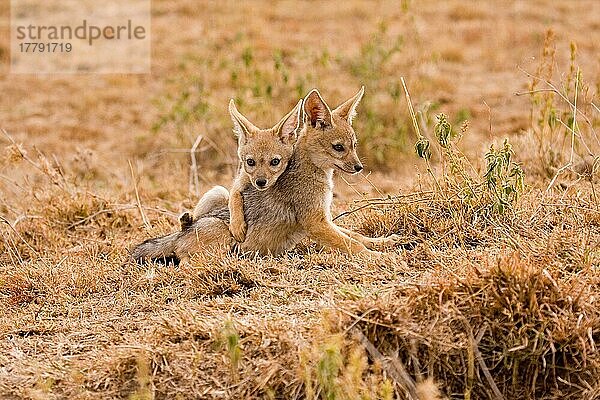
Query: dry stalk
[418, 131]
[137, 197]
[194, 184]
[395, 368]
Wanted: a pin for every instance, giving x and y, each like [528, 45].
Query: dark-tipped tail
[160, 249]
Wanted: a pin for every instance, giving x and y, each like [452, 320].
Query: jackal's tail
[160, 249]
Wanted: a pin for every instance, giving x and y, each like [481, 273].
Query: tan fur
[215, 197]
[214, 235]
[297, 203]
[263, 147]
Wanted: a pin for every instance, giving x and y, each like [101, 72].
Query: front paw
[238, 231]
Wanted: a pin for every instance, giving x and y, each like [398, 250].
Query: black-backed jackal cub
[264, 155]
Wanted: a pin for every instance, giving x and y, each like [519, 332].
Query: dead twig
[194, 184]
[371, 183]
[394, 368]
[475, 348]
[137, 197]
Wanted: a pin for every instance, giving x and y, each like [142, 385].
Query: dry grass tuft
[506, 324]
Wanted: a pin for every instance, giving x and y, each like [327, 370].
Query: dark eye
[275, 161]
[251, 162]
[338, 147]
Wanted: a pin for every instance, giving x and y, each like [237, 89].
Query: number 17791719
[49, 47]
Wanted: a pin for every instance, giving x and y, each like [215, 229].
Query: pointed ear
[241, 126]
[347, 110]
[287, 128]
[317, 112]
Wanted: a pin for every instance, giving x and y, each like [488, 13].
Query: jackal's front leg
[329, 235]
[372, 243]
[237, 223]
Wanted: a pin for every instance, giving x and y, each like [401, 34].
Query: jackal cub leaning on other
[264, 155]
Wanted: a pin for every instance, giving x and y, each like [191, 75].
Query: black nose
[358, 167]
[261, 182]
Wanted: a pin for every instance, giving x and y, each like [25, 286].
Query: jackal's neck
[304, 161]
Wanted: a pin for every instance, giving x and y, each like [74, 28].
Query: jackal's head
[329, 134]
[265, 153]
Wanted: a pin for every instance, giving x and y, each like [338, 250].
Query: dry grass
[481, 301]
[514, 295]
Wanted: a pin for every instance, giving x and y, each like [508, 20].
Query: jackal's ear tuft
[241, 126]
[317, 111]
[347, 110]
[287, 128]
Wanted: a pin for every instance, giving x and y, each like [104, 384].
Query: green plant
[329, 366]
[231, 342]
[266, 80]
[504, 178]
[334, 367]
[185, 109]
[374, 55]
[494, 192]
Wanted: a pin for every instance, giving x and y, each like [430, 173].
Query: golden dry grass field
[494, 293]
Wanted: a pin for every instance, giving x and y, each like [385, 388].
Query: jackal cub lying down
[283, 191]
